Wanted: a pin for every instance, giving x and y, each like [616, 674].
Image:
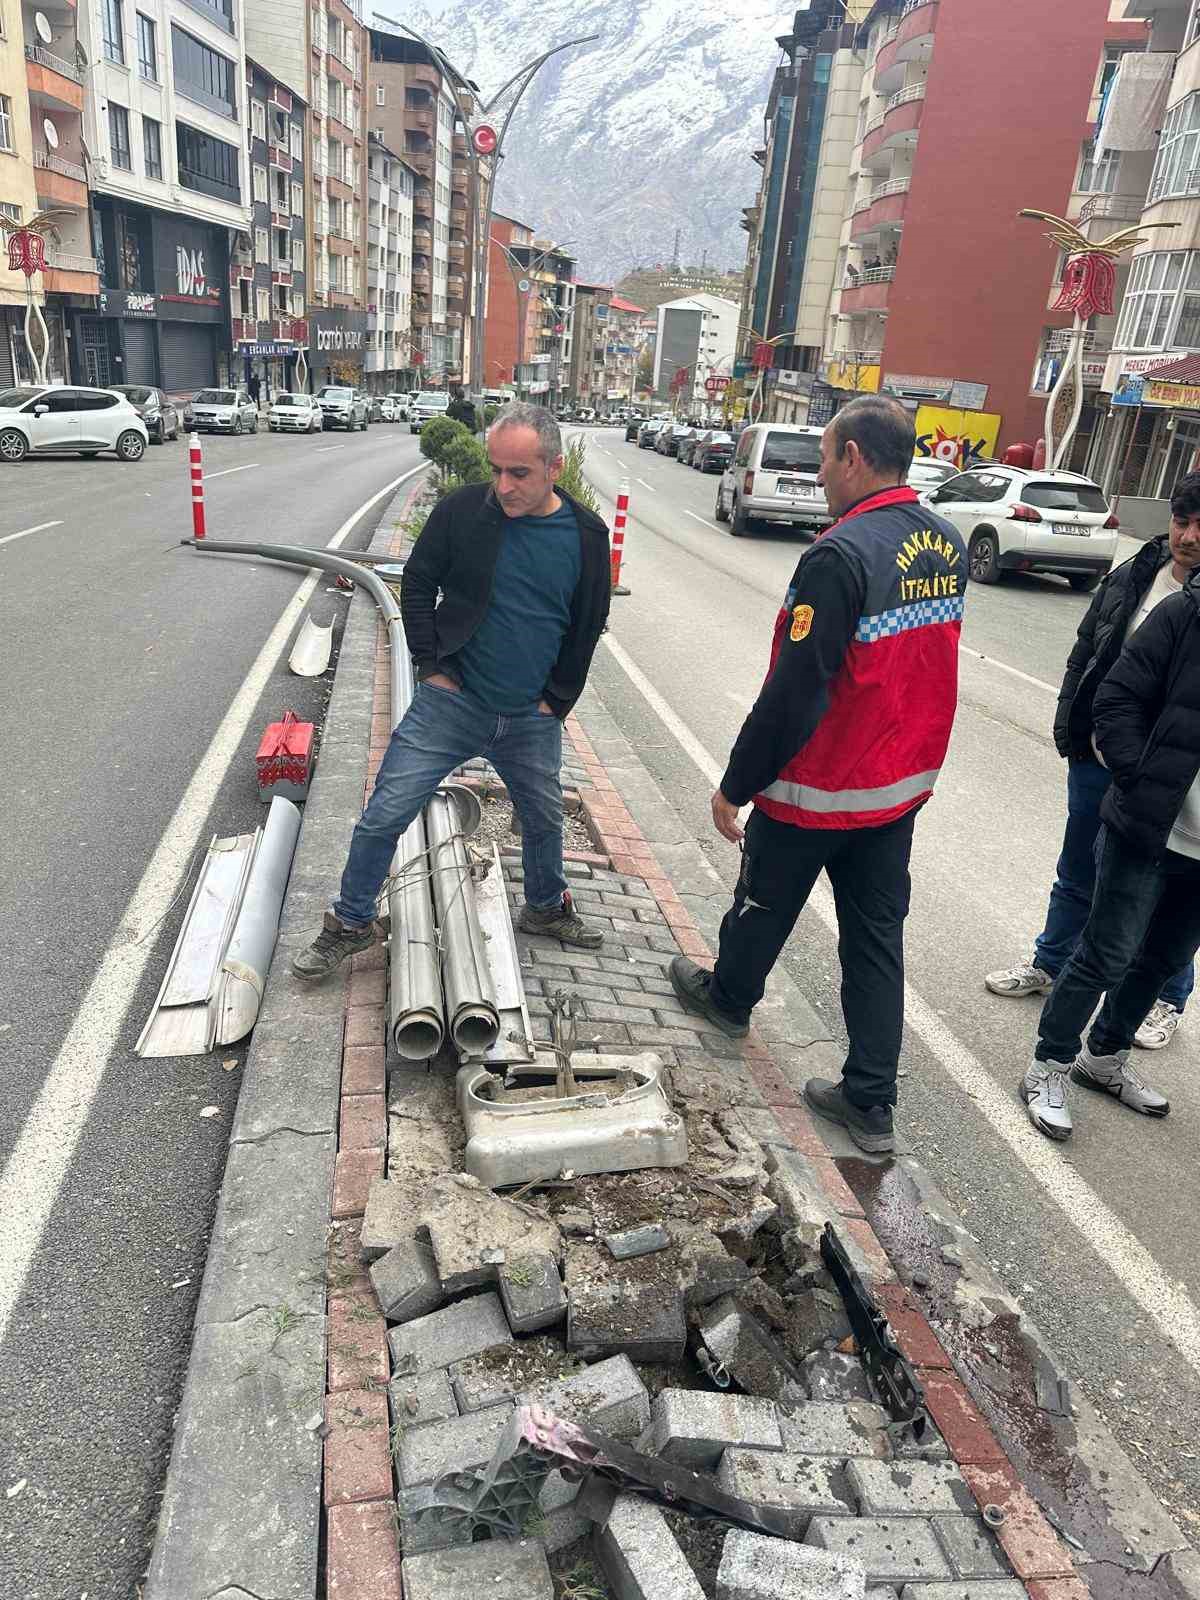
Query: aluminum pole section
[471, 1012]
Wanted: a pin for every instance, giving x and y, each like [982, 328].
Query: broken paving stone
[508, 1371]
[501, 1569]
[746, 1170]
[468, 1225]
[392, 1215]
[532, 1292]
[406, 1281]
[575, 1222]
[837, 1429]
[415, 1401]
[640, 1241]
[830, 1375]
[909, 1488]
[460, 1444]
[442, 1337]
[816, 1319]
[640, 1555]
[972, 1548]
[634, 1307]
[608, 1396]
[798, 1485]
[738, 1232]
[894, 1550]
[704, 1269]
[755, 1359]
[694, 1428]
[755, 1567]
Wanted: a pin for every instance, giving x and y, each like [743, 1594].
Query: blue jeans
[1144, 924]
[1075, 881]
[440, 731]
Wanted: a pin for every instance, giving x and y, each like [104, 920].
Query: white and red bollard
[618, 537]
[197, 471]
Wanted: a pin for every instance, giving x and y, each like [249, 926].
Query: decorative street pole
[27, 254]
[485, 147]
[1089, 278]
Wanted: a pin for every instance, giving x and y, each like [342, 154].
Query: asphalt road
[122, 654]
[1096, 1239]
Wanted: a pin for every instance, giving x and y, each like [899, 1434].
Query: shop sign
[852, 375]
[799, 382]
[265, 347]
[118, 303]
[1179, 396]
[139, 305]
[966, 396]
[190, 265]
[932, 390]
[956, 436]
[1130, 389]
[338, 333]
[339, 339]
[1093, 373]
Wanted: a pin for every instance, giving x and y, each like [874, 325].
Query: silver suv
[773, 478]
[342, 407]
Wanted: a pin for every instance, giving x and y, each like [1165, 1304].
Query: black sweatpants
[868, 869]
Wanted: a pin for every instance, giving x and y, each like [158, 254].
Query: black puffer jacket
[1098, 644]
[1147, 716]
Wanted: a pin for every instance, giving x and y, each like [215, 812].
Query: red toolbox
[284, 759]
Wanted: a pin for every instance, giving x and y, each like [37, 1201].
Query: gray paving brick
[456, 1445]
[603, 1033]
[406, 1281]
[531, 1291]
[756, 1567]
[828, 1428]
[640, 1556]
[498, 1568]
[416, 1401]
[449, 1335]
[797, 1484]
[650, 914]
[654, 1034]
[892, 1549]
[591, 991]
[973, 1549]
[1003, 1589]
[646, 963]
[630, 935]
[881, 1593]
[909, 1488]
[695, 1428]
[610, 1011]
[658, 986]
[549, 953]
[609, 1395]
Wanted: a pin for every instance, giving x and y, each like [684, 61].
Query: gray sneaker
[331, 947]
[869, 1126]
[1115, 1076]
[560, 922]
[1025, 978]
[1044, 1091]
[691, 985]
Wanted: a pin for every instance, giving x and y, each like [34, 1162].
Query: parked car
[41, 421]
[687, 445]
[1016, 520]
[157, 411]
[668, 440]
[632, 428]
[400, 406]
[647, 433]
[342, 407]
[387, 409]
[773, 478]
[295, 413]
[222, 411]
[428, 403]
[713, 451]
[926, 474]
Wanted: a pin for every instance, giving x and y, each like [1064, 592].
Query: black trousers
[868, 870]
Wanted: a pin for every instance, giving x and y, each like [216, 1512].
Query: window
[279, 127]
[282, 246]
[258, 119]
[152, 147]
[1192, 32]
[380, 98]
[112, 28]
[297, 142]
[262, 245]
[297, 303]
[218, 11]
[207, 165]
[297, 255]
[260, 184]
[147, 51]
[282, 298]
[263, 300]
[118, 136]
[244, 305]
[1099, 177]
[1177, 162]
[297, 200]
[6, 127]
[1161, 302]
[203, 75]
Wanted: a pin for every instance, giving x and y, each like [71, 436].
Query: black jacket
[1147, 715]
[456, 555]
[1099, 642]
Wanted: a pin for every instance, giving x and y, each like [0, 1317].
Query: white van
[773, 478]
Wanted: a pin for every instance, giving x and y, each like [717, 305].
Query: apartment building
[389, 356]
[586, 385]
[42, 168]
[268, 266]
[165, 118]
[547, 371]
[513, 312]
[415, 112]
[622, 346]
[697, 335]
[940, 293]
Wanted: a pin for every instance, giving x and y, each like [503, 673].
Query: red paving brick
[352, 1174]
[358, 1463]
[838, 1191]
[913, 1334]
[963, 1426]
[1058, 1589]
[796, 1122]
[1029, 1541]
[345, 1271]
[369, 960]
[364, 1069]
[864, 1236]
[691, 943]
[357, 1336]
[362, 1124]
[367, 988]
[364, 1025]
[775, 1088]
[364, 1555]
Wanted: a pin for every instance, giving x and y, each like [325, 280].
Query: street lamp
[484, 130]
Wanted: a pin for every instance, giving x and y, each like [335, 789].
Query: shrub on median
[436, 435]
[571, 477]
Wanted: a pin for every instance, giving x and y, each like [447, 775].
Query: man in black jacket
[1145, 918]
[523, 574]
[1128, 596]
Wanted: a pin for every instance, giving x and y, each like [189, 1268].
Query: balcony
[422, 240]
[418, 120]
[912, 41]
[1119, 207]
[422, 201]
[59, 182]
[422, 283]
[278, 157]
[897, 123]
[340, 244]
[870, 292]
[338, 188]
[459, 181]
[53, 80]
[456, 287]
[457, 250]
[245, 329]
[459, 147]
[420, 162]
[454, 319]
[70, 274]
[422, 74]
[883, 207]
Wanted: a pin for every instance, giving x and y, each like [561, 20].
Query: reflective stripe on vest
[824, 800]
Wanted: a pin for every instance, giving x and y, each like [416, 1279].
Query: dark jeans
[441, 730]
[868, 869]
[1144, 924]
[1075, 881]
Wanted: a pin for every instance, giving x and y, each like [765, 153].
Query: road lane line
[324, 448]
[697, 518]
[225, 471]
[1102, 1230]
[42, 1157]
[991, 661]
[646, 485]
[25, 532]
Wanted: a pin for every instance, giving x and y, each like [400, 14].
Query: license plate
[797, 490]
[1074, 529]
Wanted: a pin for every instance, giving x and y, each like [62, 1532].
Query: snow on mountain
[619, 142]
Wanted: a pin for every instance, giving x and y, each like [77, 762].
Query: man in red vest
[841, 749]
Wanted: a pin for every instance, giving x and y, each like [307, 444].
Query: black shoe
[691, 983]
[560, 922]
[871, 1129]
[331, 947]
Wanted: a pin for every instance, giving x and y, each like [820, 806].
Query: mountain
[619, 142]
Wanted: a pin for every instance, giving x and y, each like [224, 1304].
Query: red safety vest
[877, 751]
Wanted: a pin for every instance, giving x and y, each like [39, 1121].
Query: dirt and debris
[496, 824]
[701, 1543]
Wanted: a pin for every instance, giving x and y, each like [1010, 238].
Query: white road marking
[697, 518]
[322, 449]
[25, 532]
[1101, 1229]
[42, 1157]
[990, 661]
[646, 485]
[225, 471]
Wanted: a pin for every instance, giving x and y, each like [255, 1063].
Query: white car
[295, 413]
[429, 403]
[68, 421]
[1017, 520]
[387, 408]
[400, 406]
[222, 411]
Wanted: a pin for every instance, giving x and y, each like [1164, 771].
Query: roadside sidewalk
[337, 1164]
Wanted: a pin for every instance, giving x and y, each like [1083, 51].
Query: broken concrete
[498, 1568]
[833, 1376]
[757, 1362]
[797, 1485]
[694, 1428]
[473, 1232]
[840, 1430]
[532, 1292]
[640, 1556]
[392, 1215]
[406, 1281]
[459, 1444]
[754, 1567]
[639, 1241]
[634, 1307]
[415, 1401]
[449, 1335]
[608, 1396]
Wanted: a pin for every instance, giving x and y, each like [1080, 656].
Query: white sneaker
[1113, 1075]
[1044, 1091]
[1159, 1027]
[1022, 979]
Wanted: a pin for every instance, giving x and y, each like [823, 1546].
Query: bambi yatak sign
[339, 339]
